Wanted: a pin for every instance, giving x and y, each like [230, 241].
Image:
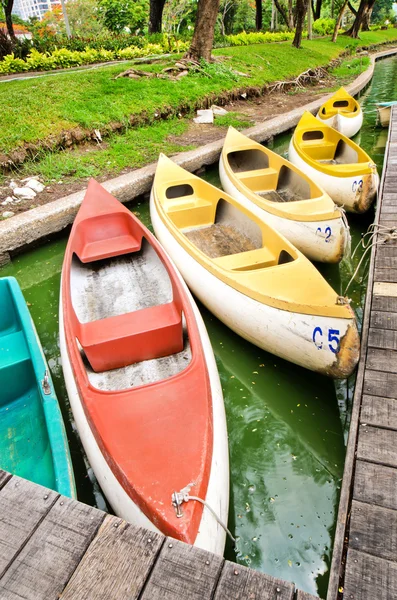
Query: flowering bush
[63, 58]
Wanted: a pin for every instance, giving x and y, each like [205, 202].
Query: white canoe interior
[251, 167]
[120, 285]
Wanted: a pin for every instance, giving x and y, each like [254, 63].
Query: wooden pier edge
[55, 548]
[342, 525]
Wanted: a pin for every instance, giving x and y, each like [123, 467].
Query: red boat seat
[145, 334]
[105, 236]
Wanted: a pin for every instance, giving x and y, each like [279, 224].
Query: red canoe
[141, 375]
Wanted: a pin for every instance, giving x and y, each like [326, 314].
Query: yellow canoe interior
[272, 182]
[237, 247]
[341, 103]
[328, 151]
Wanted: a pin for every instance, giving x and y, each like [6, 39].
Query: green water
[287, 426]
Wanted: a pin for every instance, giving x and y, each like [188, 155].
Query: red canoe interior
[157, 438]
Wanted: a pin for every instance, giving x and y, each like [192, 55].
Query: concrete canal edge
[37, 224]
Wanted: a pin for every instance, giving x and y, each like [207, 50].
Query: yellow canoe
[335, 163]
[288, 199]
[342, 112]
[250, 276]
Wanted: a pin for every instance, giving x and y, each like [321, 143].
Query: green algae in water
[287, 426]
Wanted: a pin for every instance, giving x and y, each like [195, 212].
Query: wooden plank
[385, 261]
[373, 530]
[377, 383]
[116, 564]
[384, 289]
[386, 275]
[238, 583]
[183, 572]
[46, 563]
[4, 477]
[388, 252]
[305, 596]
[379, 359]
[377, 445]
[383, 320]
[384, 303]
[379, 412]
[369, 578]
[375, 484]
[23, 505]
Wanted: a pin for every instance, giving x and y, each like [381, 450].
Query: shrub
[324, 26]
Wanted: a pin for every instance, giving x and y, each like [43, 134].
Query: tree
[156, 15]
[258, 15]
[204, 30]
[339, 20]
[301, 9]
[119, 15]
[283, 12]
[7, 6]
[316, 8]
[84, 17]
[365, 7]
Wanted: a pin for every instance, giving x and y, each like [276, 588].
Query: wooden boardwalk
[55, 548]
[364, 563]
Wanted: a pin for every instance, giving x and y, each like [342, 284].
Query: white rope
[183, 496]
[388, 234]
[214, 514]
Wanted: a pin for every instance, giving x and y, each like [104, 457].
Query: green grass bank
[34, 110]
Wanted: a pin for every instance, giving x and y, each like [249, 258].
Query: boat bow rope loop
[178, 498]
[375, 231]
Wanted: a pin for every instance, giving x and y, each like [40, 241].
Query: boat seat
[187, 213]
[259, 179]
[249, 260]
[105, 236]
[13, 349]
[255, 173]
[133, 337]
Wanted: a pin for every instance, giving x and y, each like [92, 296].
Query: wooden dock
[364, 564]
[52, 548]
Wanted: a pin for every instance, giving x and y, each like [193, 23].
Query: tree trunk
[301, 8]
[290, 14]
[7, 11]
[317, 9]
[309, 21]
[281, 10]
[156, 15]
[204, 30]
[273, 20]
[367, 19]
[351, 8]
[258, 15]
[363, 9]
[339, 20]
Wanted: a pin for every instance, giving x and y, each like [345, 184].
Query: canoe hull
[211, 535]
[355, 193]
[33, 442]
[348, 126]
[322, 241]
[305, 340]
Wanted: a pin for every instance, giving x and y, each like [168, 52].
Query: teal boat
[33, 441]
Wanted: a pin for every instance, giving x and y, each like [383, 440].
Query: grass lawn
[33, 109]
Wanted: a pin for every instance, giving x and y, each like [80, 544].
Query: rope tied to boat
[178, 498]
[345, 222]
[383, 235]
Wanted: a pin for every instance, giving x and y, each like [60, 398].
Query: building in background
[32, 8]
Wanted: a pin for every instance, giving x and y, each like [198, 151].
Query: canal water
[287, 426]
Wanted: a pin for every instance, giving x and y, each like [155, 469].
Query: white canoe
[143, 441]
[342, 112]
[335, 163]
[285, 196]
[270, 295]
